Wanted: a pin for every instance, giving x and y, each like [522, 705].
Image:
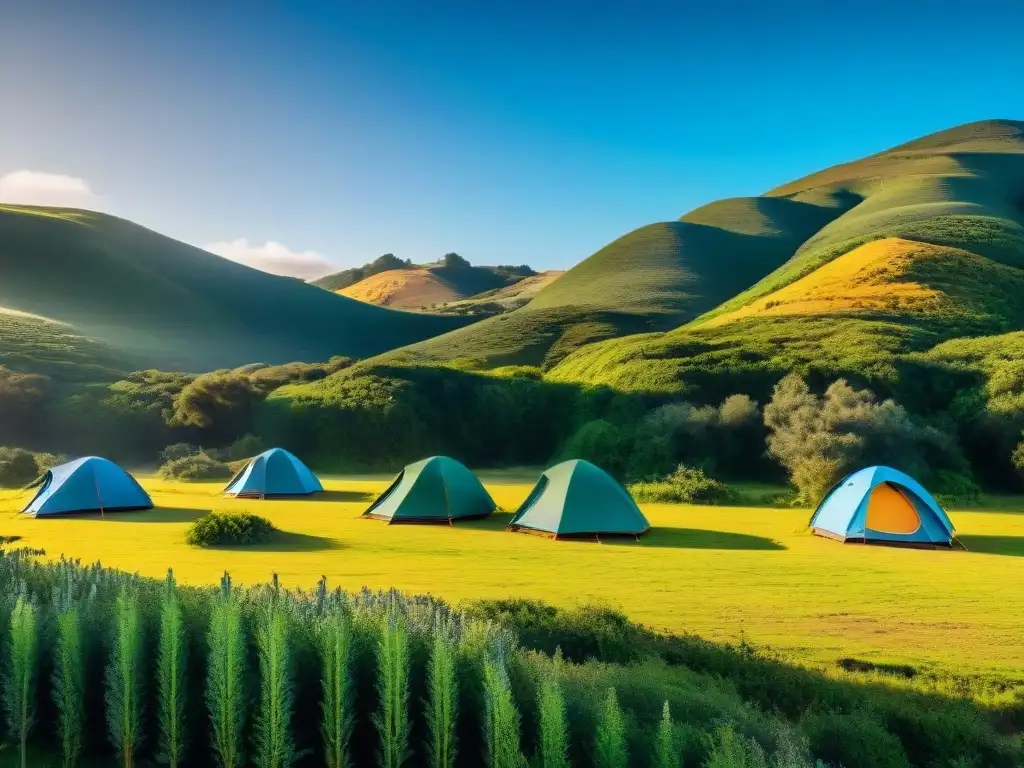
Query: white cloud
[274, 257]
[40, 188]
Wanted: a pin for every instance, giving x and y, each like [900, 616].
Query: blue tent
[91, 484]
[882, 505]
[274, 473]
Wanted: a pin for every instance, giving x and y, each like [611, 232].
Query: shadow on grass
[344, 496]
[697, 538]
[156, 515]
[286, 541]
[669, 538]
[1012, 546]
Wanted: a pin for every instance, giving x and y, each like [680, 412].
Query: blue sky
[302, 135]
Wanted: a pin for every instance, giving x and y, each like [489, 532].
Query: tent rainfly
[434, 490]
[881, 505]
[273, 473]
[91, 484]
[577, 499]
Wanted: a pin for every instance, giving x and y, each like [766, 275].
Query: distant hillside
[337, 281]
[391, 282]
[431, 286]
[931, 250]
[137, 298]
[651, 279]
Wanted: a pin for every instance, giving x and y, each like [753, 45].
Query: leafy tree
[454, 261]
[220, 404]
[179, 451]
[17, 467]
[820, 439]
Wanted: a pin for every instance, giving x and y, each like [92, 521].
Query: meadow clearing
[720, 572]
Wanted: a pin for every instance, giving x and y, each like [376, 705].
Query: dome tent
[575, 498]
[437, 489]
[91, 484]
[273, 473]
[881, 505]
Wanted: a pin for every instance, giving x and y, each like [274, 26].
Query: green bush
[195, 468]
[17, 467]
[47, 461]
[686, 485]
[178, 451]
[227, 528]
[243, 449]
[853, 738]
[955, 488]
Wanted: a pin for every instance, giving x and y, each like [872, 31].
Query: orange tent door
[890, 511]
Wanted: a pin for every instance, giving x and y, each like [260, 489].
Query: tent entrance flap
[890, 511]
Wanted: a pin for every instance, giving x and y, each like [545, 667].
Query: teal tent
[91, 484]
[438, 489]
[881, 505]
[575, 498]
[273, 473]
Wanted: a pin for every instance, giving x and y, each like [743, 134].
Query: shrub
[47, 461]
[728, 438]
[242, 449]
[17, 467]
[195, 468]
[603, 443]
[853, 738]
[227, 528]
[955, 488]
[178, 451]
[686, 485]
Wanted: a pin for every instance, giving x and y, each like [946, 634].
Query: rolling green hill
[147, 300]
[931, 250]
[651, 279]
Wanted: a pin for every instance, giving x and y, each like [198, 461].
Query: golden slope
[870, 278]
[402, 289]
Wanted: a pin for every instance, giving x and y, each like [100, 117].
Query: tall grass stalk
[171, 664]
[392, 720]
[274, 745]
[334, 642]
[666, 753]
[69, 680]
[502, 717]
[610, 743]
[442, 692]
[225, 676]
[124, 677]
[21, 672]
[553, 747]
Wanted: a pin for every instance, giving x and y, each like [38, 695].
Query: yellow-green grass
[715, 571]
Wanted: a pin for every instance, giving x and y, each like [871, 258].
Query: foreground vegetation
[101, 662]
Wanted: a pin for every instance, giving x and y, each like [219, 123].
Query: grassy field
[718, 572]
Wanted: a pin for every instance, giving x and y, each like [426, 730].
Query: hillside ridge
[164, 303]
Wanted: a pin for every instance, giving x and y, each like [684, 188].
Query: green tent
[575, 498]
[437, 489]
